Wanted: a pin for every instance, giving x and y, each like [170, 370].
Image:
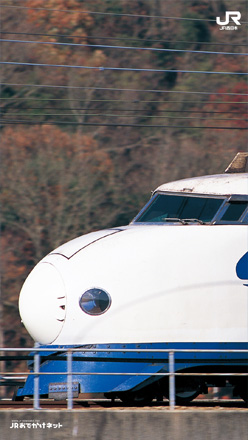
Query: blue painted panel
[129, 362]
[242, 268]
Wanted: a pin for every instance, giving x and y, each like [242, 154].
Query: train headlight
[95, 301]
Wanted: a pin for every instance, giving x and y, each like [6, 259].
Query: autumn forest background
[83, 146]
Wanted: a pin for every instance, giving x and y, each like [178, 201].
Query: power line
[120, 69]
[124, 116]
[132, 1]
[137, 101]
[114, 89]
[111, 14]
[143, 40]
[95, 124]
[105, 46]
[131, 110]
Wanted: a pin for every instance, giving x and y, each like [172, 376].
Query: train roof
[234, 181]
[218, 184]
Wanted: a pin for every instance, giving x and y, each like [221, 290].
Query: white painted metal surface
[219, 184]
[170, 283]
[42, 303]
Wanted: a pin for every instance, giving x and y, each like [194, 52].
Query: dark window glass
[167, 207]
[203, 209]
[161, 208]
[234, 211]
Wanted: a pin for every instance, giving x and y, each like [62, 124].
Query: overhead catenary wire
[105, 46]
[120, 69]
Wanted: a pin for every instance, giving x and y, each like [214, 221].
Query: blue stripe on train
[91, 363]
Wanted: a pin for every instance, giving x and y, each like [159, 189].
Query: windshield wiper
[184, 221]
[172, 219]
[187, 220]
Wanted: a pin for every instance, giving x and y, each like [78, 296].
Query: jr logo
[242, 268]
[234, 15]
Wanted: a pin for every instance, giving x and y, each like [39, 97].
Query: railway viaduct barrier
[126, 424]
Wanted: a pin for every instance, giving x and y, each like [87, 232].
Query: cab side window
[234, 211]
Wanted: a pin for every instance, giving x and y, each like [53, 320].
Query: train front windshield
[168, 208]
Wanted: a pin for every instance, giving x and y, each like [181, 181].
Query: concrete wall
[123, 425]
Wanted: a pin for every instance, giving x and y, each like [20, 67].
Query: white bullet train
[175, 278]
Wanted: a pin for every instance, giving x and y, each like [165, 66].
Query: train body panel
[178, 274]
[149, 304]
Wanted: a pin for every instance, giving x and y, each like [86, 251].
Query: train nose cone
[42, 303]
